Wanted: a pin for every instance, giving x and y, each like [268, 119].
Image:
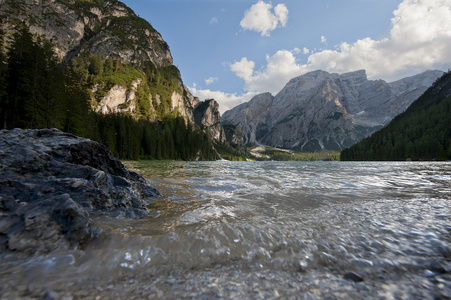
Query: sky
[231, 50]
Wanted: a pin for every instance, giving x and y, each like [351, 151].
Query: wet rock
[50, 183]
[351, 276]
[437, 267]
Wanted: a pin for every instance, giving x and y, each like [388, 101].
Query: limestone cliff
[148, 86]
[107, 27]
[235, 138]
[208, 118]
[319, 110]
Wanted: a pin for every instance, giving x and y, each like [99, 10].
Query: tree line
[422, 132]
[37, 91]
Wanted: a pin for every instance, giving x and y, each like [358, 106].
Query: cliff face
[207, 117]
[150, 86]
[108, 28]
[249, 117]
[326, 111]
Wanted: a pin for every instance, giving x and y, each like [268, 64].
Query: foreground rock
[50, 183]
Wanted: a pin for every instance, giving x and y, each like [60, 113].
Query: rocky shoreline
[50, 184]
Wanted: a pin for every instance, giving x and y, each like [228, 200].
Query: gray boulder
[50, 183]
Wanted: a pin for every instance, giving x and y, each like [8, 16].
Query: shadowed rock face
[207, 116]
[50, 183]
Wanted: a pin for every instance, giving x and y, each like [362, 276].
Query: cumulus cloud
[280, 68]
[261, 17]
[323, 39]
[243, 68]
[420, 39]
[226, 100]
[210, 80]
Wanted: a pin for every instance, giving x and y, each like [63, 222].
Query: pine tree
[19, 77]
[75, 105]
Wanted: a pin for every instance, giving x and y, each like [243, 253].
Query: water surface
[305, 230]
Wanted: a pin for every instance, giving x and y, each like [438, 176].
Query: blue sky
[231, 50]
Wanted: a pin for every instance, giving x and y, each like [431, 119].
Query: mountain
[96, 54]
[109, 32]
[105, 27]
[320, 110]
[422, 132]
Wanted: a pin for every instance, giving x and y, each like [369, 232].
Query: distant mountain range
[320, 110]
[422, 132]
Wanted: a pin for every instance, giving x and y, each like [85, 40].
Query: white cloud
[210, 80]
[243, 68]
[261, 18]
[420, 39]
[280, 68]
[226, 100]
[281, 12]
[214, 20]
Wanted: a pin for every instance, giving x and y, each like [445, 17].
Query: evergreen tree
[19, 77]
[3, 81]
[75, 104]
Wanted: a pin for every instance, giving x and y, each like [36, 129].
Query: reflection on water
[267, 230]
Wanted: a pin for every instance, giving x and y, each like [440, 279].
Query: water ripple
[268, 230]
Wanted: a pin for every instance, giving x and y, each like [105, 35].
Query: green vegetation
[422, 132]
[229, 153]
[171, 139]
[37, 92]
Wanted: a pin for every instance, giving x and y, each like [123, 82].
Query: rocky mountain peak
[411, 83]
[320, 110]
[108, 28]
[248, 116]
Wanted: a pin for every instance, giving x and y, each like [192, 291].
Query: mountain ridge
[104, 27]
[421, 132]
[321, 110]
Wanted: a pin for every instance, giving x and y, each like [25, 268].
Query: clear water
[252, 230]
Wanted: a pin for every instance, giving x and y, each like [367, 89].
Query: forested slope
[37, 91]
[422, 132]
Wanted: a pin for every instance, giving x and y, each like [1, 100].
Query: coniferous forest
[37, 91]
[422, 132]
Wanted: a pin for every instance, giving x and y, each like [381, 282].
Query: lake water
[253, 230]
